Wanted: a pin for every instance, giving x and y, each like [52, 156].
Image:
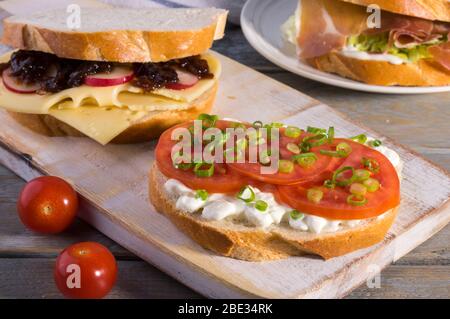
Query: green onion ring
[242, 191]
[261, 205]
[361, 138]
[344, 182]
[204, 172]
[356, 200]
[202, 194]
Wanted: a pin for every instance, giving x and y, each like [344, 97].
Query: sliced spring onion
[361, 138]
[343, 182]
[315, 130]
[246, 194]
[316, 140]
[361, 175]
[202, 194]
[200, 171]
[372, 185]
[276, 125]
[264, 157]
[375, 143]
[261, 205]
[330, 134]
[292, 131]
[184, 166]
[344, 149]
[314, 195]
[356, 200]
[371, 164]
[208, 120]
[296, 215]
[328, 183]
[358, 189]
[285, 166]
[305, 160]
[292, 147]
[257, 124]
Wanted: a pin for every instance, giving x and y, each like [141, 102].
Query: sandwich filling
[297, 197]
[102, 99]
[351, 30]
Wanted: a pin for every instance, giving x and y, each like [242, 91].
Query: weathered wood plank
[33, 278]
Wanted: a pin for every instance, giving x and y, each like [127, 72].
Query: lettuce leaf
[378, 43]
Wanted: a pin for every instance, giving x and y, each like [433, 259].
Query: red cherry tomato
[47, 204]
[85, 270]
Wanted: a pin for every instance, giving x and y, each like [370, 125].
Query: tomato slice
[334, 204]
[323, 165]
[224, 179]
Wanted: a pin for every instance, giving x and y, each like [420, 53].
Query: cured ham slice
[326, 24]
[441, 54]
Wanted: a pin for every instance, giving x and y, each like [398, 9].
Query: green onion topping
[361, 175]
[343, 182]
[315, 130]
[314, 195]
[296, 215]
[375, 143]
[372, 185]
[356, 200]
[246, 194]
[292, 131]
[276, 125]
[358, 189]
[371, 164]
[200, 171]
[202, 194]
[208, 120]
[292, 147]
[305, 160]
[361, 138]
[330, 134]
[328, 184]
[261, 205]
[285, 166]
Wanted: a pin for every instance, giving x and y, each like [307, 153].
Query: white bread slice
[118, 34]
[426, 9]
[237, 240]
[421, 73]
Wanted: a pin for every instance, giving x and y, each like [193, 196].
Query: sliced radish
[119, 75]
[15, 85]
[185, 80]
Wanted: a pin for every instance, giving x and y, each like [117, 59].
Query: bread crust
[422, 73]
[254, 244]
[124, 46]
[142, 131]
[426, 9]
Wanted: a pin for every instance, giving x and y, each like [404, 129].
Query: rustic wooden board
[113, 182]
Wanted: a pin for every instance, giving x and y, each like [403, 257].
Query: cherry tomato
[85, 270]
[47, 204]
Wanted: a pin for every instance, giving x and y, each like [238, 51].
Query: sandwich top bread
[122, 78]
[406, 43]
[324, 195]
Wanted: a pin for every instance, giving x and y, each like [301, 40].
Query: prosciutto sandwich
[406, 43]
[325, 195]
[122, 76]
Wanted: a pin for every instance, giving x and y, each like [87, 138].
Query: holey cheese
[102, 113]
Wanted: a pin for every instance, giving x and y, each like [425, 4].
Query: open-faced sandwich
[121, 75]
[381, 42]
[260, 192]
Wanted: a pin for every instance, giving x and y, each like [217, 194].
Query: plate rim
[263, 47]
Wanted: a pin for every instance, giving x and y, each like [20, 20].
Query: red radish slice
[185, 80]
[119, 75]
[13, 84]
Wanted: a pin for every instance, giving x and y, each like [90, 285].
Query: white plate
[261, 21]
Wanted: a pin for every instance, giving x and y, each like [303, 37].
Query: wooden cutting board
[113, 183]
